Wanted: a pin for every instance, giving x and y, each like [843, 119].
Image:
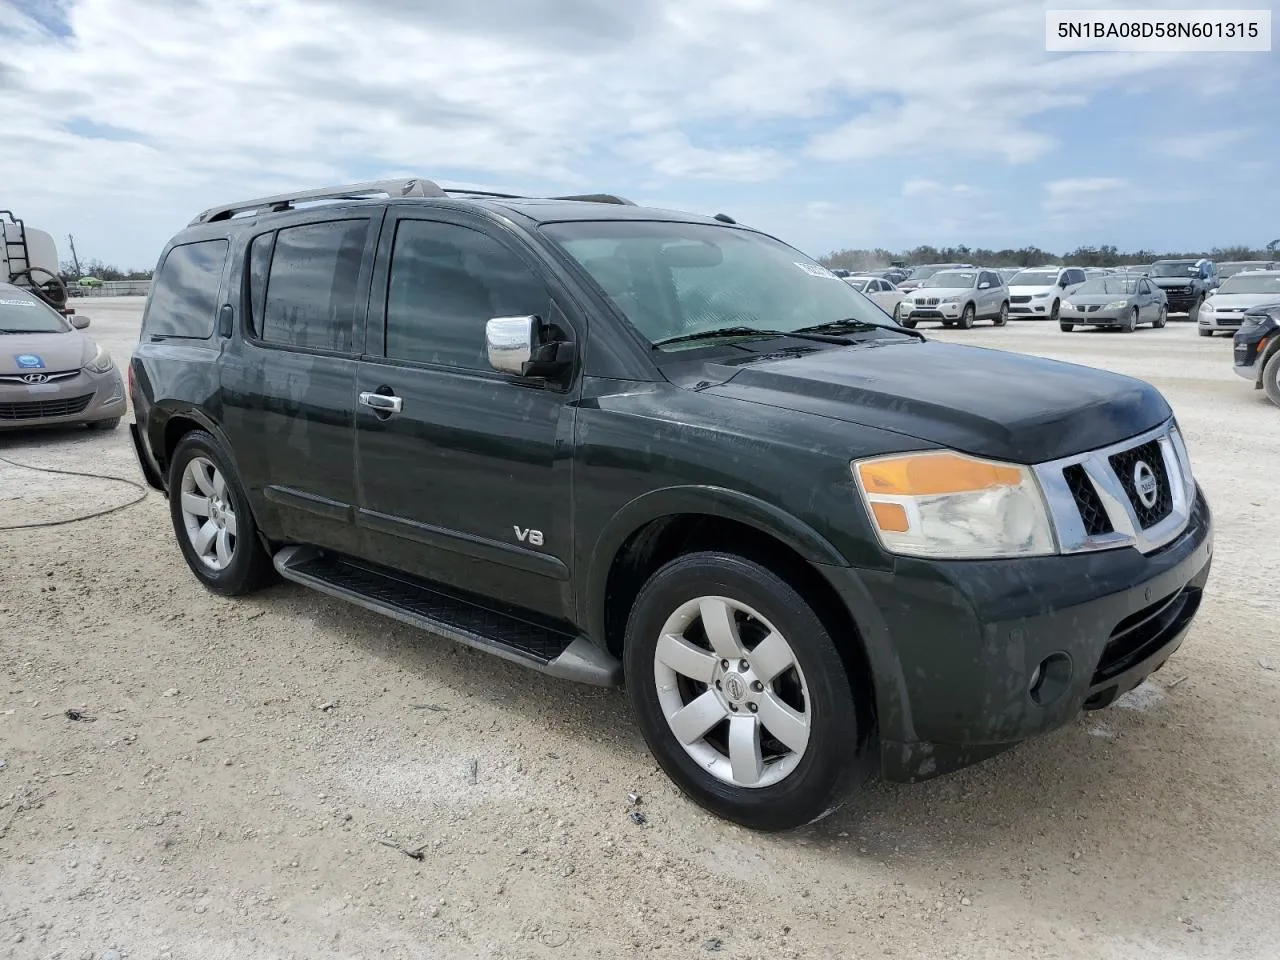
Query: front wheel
[104, 424]
[1194, 313]
[1055, 310]
[740, 692]
[212, 521]
[1066, 327]
[966, 317]
[909, 323]
[1204, 331]
[897, 313]
[1161, 319]
[1271, 379]
[1131, 324]
[1002, 318]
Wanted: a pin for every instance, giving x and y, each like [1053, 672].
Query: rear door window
[184, 295]
[312, 287]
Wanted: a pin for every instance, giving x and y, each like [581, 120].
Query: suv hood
[942, 291]
[988, 403]
[1240, 301]
[57, 352]
[1023, 290]
[1171, 283]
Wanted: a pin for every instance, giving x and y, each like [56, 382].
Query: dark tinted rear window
[184, 296]
[311, 289]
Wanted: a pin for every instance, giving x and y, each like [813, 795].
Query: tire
[1131, 324]
[1271, 379]
[1002, 318]
[909, 324]
[1194, 313]
[104, 424]
[1163, 318]
[897, 313]
[1066, 327]
[234, 560]
[1204, 331]
[1055, 310]
[793, 787]
[948, 324]
[966, 317]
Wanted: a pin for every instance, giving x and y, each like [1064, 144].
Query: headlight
[101, 362]
[1068, 305]
[1184, 461]
[949, 505]
[1116, 305]
[949, 300]
[1039, 296]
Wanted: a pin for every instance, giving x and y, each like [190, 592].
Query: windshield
[923, 273]
[22, 312]
[1231, 269]
[1034, 278]
[952, 278]
[1178, 268]
[859, 285]
[677, 279]
[1111, 286]
[1252, 283]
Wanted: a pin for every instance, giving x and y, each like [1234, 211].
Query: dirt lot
[247, 759]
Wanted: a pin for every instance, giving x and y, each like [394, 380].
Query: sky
[872, 123]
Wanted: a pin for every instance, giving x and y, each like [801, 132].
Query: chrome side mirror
[509, 342]
[78, 320]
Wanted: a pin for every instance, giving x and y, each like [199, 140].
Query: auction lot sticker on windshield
[1158, 31]
[28, 361]
[816, 270]
[17, 303]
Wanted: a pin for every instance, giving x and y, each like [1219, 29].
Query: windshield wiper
[854, 325]
[745, 331]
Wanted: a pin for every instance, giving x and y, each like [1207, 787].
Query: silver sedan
[1119, 301]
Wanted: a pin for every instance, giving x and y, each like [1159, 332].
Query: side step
[542, 648]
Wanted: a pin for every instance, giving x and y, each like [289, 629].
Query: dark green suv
[610, 443]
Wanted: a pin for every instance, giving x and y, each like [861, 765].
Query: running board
[541, 648]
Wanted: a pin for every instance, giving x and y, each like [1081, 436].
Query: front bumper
[1035, 308]
[939, 311]
[1247, 352]
[1180, 301]
[82, 398]
[1098, 318]
[970, 636]
[1223, 322]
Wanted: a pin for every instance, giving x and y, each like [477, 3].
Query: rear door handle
[381, 402]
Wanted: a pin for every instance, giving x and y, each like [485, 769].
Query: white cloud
[210, 100]
[932, 188]
[1202, 145]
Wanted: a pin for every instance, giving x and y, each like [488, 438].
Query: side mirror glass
[78, 320]
[984, 285]
[516, 345]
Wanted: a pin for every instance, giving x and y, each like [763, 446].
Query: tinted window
[311, 288]
[446, 282]
[259, 266]
[184, 296]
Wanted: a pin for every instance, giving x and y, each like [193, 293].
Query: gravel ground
[251, 765]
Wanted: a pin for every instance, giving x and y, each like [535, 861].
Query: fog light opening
[1050, 679]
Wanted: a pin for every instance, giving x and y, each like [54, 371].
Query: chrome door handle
[381, 402]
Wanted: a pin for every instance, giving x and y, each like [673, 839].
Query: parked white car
[1223, 310]
[958, 298]
[883, 293]
[1037, 292]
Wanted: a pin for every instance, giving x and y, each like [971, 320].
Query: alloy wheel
[208, 513]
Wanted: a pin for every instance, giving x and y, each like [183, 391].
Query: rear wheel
[1002, 317]
[212, 521]
[1271, 379]
[740, 692]
[966, 317]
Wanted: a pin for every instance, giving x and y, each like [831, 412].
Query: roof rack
[413, 187]
[580, 198]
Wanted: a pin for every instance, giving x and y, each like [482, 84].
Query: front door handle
[382, 403]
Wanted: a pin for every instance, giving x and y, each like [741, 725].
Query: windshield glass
[676, 279]
[1111, 286]
[22, 312]
[1177, 268]
[1034, 278]
[1231, 269]
[923, 273]
[952, 278]
[1251, 283]
[859, 285]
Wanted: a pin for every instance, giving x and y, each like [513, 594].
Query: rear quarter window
[184, 295]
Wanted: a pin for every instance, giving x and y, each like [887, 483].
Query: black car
[609, 442]
[1185, 283]
[1257, 349]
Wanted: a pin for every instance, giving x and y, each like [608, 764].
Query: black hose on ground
[75, 473]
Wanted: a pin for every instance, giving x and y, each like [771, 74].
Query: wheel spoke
[722, 631]
[692, 722]
[789, 726]
[195, 504]
[771, 657]
[222, 544]
[744, 750]
[219, 484]
[686, 659]
[229, 522]
[200, 474]
[205, 537]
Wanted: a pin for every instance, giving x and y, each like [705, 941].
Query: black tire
[1194, 313]
[1163, 318]
[250, 567]
[948, 323]
[909, 324]
[1271, 379]
[967, 316]
[1055, 310]
[897, 312]
[1002, 318]
[824, 774]
[1131, 324]
[1066, 327]
[104, 424]
[1204, 331]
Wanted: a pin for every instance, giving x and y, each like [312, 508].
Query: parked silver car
[50, 372]
[1038, 292]
[958, 297]
[1223, 310]
[1117, 301]
[885, 295]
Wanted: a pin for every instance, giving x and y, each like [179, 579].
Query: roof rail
[597, 198]
[580, 198]
[412, 187]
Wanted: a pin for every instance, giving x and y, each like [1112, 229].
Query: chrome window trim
[1064, 514]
